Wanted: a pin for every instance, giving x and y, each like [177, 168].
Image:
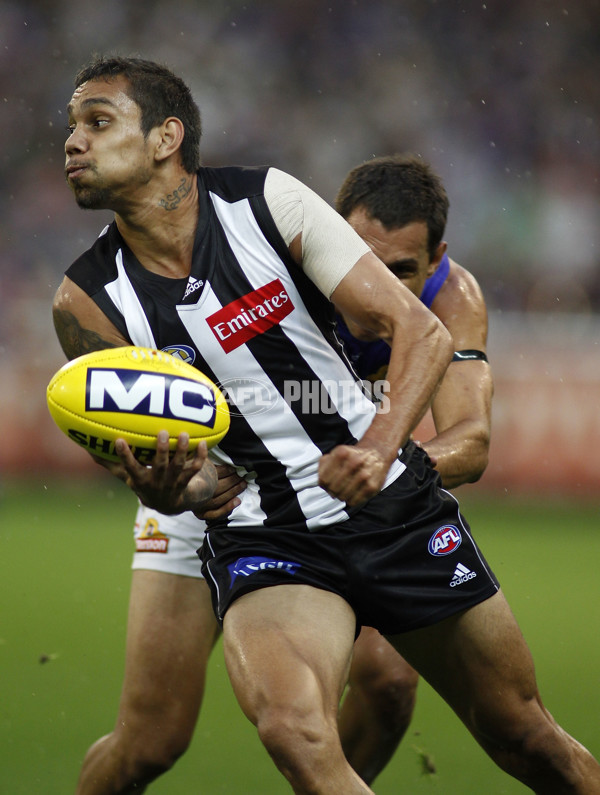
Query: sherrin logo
[153, 394]
[251, 315]
[445, 540]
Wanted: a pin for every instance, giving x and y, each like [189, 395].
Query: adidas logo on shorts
[461, 575]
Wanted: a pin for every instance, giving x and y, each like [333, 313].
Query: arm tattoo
[172, 200]
[74, 339]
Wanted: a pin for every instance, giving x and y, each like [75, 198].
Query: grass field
[65, 577]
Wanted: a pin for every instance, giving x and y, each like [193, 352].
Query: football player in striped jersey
[343, 522]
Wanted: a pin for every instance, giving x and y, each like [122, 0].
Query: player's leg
[480, 664]
[171, 632]
[287, 649]
[378, 704]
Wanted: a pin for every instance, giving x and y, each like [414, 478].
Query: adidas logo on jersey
[461, 575]
[192, 285]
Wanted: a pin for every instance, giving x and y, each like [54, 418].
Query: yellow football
[132, 393]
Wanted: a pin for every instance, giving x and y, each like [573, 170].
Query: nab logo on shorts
[245, 567]
[445, 540]
[161, 395]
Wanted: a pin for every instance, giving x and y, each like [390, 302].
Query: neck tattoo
[173, 200]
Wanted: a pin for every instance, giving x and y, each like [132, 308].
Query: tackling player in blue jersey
[354, 511]
[400, 207]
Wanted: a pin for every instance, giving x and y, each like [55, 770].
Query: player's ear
[437, 258]
[170, 137]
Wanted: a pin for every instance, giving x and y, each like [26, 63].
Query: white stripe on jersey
[350, 402]
[249, 507]
[279, 430]
[248, 512]
[124, 297]
[242, 230]
[278, 427]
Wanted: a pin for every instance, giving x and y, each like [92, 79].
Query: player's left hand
[172, 483]
[353, 473]
[225, 498]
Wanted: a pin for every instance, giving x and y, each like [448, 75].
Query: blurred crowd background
[502, 97]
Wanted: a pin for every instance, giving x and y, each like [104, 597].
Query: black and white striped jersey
[250, 319]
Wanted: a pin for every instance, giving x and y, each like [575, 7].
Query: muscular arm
[367, 293]
[461, 408]
[333, 255]
[420, 351]
[373, 297]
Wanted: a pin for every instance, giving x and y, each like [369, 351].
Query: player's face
[403, 249]
[108, 160]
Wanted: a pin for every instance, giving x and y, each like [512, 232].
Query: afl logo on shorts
[445, 540]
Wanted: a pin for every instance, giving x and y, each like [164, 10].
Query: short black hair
[397, 190]
[158, 92]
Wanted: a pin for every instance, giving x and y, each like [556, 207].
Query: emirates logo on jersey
[250, 315]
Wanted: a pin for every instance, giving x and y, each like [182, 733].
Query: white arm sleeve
[330, 247]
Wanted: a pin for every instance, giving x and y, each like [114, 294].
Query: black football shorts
[404, 560]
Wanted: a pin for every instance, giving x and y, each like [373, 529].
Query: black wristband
[463, 356]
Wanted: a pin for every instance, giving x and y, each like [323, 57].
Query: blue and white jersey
[253, 322]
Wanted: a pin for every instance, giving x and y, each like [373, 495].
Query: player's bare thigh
[288, 641]
[170, 635]
[375, 659]
[471, 657]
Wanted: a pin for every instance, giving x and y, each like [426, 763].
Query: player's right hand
[171, 484]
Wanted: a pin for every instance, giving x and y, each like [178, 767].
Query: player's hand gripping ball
[132, 393]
